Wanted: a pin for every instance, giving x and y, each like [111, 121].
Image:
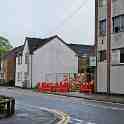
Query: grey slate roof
[35, 43]
[81, 49]
[13, 52]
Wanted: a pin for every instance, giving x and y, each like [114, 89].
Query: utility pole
[96, 36]
[109, 21]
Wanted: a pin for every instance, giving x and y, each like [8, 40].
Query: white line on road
[78, 121]
[63, 116]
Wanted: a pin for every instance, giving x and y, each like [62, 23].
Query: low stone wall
[7, 106]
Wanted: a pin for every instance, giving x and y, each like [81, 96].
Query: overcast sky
[73, 20]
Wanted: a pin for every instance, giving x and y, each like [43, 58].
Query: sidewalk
[97, 97]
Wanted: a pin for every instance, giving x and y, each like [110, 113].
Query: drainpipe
[109, 19]
[31, 71]
[96, 38]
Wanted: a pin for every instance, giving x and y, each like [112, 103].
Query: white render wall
[23, 68]
[53, 57]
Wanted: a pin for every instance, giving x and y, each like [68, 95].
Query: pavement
[80, 111]
[97, 97]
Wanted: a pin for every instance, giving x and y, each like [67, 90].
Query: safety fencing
[66, 82]
[7, 106]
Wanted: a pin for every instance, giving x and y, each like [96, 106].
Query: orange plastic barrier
[62, 86]
[87, 87]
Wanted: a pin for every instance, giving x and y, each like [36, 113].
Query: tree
[4, 45]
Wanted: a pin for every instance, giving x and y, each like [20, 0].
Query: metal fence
[57, 77]
[74, 79]
[7, 106]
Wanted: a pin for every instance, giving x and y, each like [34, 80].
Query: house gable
[53, 57]
[57, 38]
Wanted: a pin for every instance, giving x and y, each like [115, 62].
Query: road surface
[80, 111]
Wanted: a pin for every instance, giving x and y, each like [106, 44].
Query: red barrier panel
[86, 87]
[62, 86]
[44, 87]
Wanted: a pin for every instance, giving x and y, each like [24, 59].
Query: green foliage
[10, 83]
[4, 45]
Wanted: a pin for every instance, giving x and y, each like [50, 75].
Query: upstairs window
[102, 3]
[118, 23]
[122, 55]
[19, 60]
[26, 58]
[102, 55]
[102, 27]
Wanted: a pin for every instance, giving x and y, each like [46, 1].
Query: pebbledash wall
[53, 57]
[117, 46]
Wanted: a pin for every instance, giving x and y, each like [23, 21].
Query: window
[118, 23]
[102, 55]
[122, 23]
[25, 75]
[19, 60]
[26, 58]
[102, 27]
[122, 55]
[19, 76]
[102, 3]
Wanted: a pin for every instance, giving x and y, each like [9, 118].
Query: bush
[2, 108]
[7, 83]
[11, 83]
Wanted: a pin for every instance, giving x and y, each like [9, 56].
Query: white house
[42, 56]
[117, 48]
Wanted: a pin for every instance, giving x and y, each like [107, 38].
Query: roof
[81, 49]
[35, 43]
[13, 52]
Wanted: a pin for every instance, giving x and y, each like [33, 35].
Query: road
[80, 111]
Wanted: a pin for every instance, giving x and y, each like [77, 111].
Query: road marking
[78, 121]
[63, 116]
[22, 115]
[91, 123]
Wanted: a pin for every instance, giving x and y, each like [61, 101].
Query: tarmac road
[80, 111]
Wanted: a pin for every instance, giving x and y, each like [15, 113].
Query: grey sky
[43, 18]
